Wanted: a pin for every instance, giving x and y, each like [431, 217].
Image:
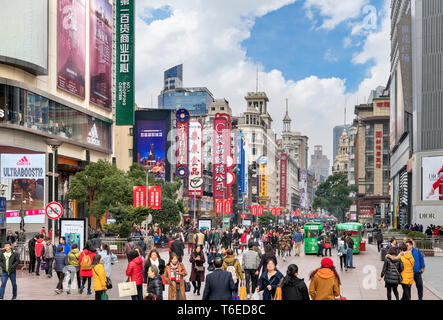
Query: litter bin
[383, 253]
[370, 237]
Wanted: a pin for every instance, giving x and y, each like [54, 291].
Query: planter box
[428, 252]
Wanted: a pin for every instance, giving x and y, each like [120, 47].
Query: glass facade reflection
[30, 110]
[196, 102]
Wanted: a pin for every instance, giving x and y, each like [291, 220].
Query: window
[370, 130]
[254, 151]
[212, 108]
[131, 131]
[369, 160]
[222, 108]
[369, 175]
[253, 137]
[369, 188]
[130, 153]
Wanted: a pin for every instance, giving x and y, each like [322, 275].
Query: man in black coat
[178, 247]
[219, 284]
[32, 257]
[379, 238]
[9, 261]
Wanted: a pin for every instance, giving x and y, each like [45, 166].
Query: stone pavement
[357, 284]
[433, 274]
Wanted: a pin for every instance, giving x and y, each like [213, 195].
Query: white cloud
[329, 56]
[206, 37]
[336, 11]
[347, 42]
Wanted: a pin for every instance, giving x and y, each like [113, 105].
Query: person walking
[190, 241]
[269, 281]
[153, 259]
[178, 247]
[419, 267]
[134, 271]
[321, 244]
[226, 239]
[298, 238]
[109, 259]
[142, 245]
[268, 255]
[9, 261]
[155, 286]
[129, 246]
[85, 260]
[174, 276]
[391, 272]
[100, 277]
[250, 262]
[49, 252]
[64, 245]
[197, 260]
[342, 252]
[219, 284]
[32, 257]
[244, 241]
[232, 265]
[211, 256]
[39, 249]
[327, 244]
[199, 239]
[293, 288]
[73, 267]
[325, 282]
[349, 251]
[408, 271]
[379, 239]
[393, 243]
[61, 261]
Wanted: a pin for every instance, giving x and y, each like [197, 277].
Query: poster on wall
[400, 103]
[432, 178]
[100, 52]
[24, 177]
[74, 231]
[151, 146]
[71, 46]
[204, 224]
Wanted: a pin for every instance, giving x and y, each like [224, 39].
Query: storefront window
[39, 113]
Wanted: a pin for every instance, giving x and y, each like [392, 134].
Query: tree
[334, 195]
[266, 219]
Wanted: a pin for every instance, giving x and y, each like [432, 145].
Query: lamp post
[22, 213]
[54, 144]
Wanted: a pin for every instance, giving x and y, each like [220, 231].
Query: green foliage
[405, 231]
[416, 234]
[334, 195]
[394, 230]
[266, 219]
[126, 218]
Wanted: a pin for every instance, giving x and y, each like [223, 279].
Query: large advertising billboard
[400, 104]
[100, 52]
[432, 178]
[392, 114]
[24, 177]
[195, 180]
[71, 46]
[74, 231]
[24, 35]
[151, 146]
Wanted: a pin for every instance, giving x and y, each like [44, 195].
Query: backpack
[86, 263]
[231, 269]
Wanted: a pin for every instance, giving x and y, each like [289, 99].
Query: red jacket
[86, 273]
[243, 238]
[39, 247]
[134, 270]
[439, 184]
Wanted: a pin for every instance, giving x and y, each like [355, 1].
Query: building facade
[319, 164]
[341, 160]
[336, 134]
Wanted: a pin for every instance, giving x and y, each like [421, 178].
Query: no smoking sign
[54, 210]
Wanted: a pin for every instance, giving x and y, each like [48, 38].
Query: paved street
[356, 284]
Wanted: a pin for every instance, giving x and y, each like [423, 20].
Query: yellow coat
[99, 275]
[408, 268]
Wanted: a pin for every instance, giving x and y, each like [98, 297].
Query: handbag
[341, 297]
[104, 296]
[187, 286]
[108, 283]
[242, 292]
[199, 268]
[278, 294]
[127, 289]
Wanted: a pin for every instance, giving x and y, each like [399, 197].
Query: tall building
[371, 155]
[319, 164]
[416, 93]
[174, 96]
[336, 134]
[55, 82]
[341, 161]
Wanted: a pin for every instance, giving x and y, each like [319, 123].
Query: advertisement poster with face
[204, 224]
[151, 145]
[74, 231]
[71, 46]
[100, 52]
[432, 178]
[24, 175]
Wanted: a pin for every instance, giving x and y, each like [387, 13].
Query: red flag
[228, 205]
[219, 206]
[139, 196]
[254, 210]
[260, 210]
[155, 197]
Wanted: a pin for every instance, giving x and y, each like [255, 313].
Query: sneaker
[57, 291]
[81, 290]
[248, 296]
[13, 298]
[68, 292]
[89, 292]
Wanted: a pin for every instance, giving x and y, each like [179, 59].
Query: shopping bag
[235, 297]
[242, 294]
[163, 280]
[127, 289]
[44, 266]
[104, 296]
[256, 296]
[278, 294]
[66, 279]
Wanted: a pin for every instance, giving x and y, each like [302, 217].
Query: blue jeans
[349, 256]
[419, 283]
[5, 277]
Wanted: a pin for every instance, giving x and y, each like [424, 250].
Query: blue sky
[287, 40]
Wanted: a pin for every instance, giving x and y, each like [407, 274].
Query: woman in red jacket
[134, 271]
[86, 266]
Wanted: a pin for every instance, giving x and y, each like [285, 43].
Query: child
[61, 261]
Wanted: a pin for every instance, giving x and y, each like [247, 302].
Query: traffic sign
[54, 210]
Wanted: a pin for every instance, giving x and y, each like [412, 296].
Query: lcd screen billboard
[432, 178]
[100, 52]
[71, 46]
[151, 146]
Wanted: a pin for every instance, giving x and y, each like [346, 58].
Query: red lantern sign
[219, 206]
[228, 205]
[254, 210]
[260, 210]
[139, 196]
[155, 197]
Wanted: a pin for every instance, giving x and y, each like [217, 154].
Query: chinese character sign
[124, 66]
[254, 210]
[283, 179]
[260, 210]
[139, 196]
[71, 46]
[195, 180]
[182, 116]
[219, 206]
[262, 180]
[155, 198]
[228, 205]
[220, 151]
[378, 149]
[100, 52]
[242, 161]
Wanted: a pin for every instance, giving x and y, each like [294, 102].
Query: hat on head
[327, 263]
[441, 170]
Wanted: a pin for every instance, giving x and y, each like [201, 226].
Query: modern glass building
[173, 78]
[195, 100]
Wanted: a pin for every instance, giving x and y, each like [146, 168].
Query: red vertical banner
[155, 197]
[283, 179]
[221, 144]
[278, 212]
[182, 116]
[260, 210]
[139, 196]
[274, 211]
[254, 210]
[219, 206]
[228, 206]
[195, 179]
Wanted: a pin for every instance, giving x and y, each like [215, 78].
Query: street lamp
[22, 213]
[54, 144]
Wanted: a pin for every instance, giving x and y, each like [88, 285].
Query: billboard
[392, 114]
[24, 35]
[74, 230]
[221, 141]
[195, 180]
[71, 46]
[302, 187]
[283, 179]
[242, 161]
[400, 121]
[24, 175]
[124, 40]
[182, 138]
[262, 180]
[204, 224]
[151, 146]
[100, 52]
[432, 178]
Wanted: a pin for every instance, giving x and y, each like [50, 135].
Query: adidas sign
[24, 162]
[93, 136]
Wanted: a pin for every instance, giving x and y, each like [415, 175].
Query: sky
[319, 54]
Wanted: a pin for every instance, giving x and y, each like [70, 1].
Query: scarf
[175, 276]
[154, 262]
